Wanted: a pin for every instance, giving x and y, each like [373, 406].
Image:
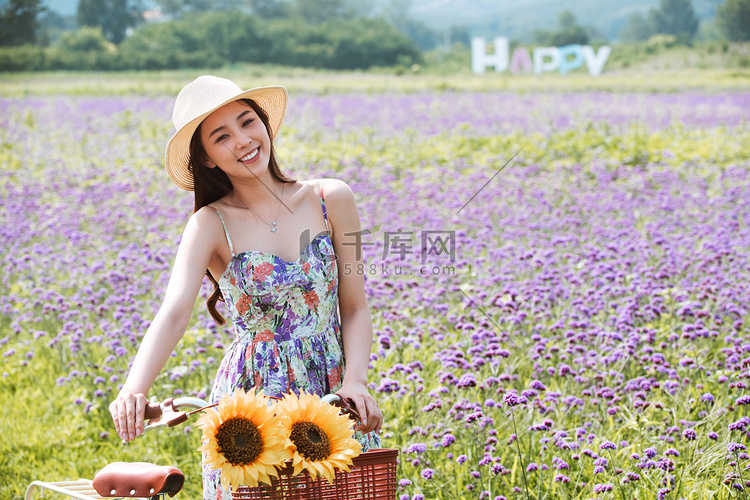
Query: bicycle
[372, 476]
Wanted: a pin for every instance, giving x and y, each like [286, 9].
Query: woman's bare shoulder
[341, 205]
[207, 221]
[335, 188]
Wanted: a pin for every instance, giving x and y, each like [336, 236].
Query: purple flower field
[575, 326]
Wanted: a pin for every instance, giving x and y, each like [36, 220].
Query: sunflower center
[239, 440]
[311, 441]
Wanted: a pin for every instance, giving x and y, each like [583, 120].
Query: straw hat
[199, 99]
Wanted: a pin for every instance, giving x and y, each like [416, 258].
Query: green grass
[644, 78]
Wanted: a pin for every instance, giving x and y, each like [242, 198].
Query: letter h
[481, 59]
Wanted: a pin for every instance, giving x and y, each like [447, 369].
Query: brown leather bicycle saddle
[137, 479]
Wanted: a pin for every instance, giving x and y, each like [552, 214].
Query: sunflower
[319, 439]
[243, 439]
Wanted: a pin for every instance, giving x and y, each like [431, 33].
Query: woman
[251, 233]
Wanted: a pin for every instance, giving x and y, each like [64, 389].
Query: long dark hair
[211, 184]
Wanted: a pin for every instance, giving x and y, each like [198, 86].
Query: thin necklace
[272, 225]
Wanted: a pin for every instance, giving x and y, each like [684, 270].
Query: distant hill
[520, 18]
[516, 19]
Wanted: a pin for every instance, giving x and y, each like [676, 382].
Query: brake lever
[168, 418]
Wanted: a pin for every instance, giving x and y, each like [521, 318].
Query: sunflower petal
[328, 471]
[252, 407]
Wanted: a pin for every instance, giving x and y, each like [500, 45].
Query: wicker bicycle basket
[372, 477]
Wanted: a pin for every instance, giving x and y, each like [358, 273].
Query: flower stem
[539, 478]
[523, 467]
[619, 483]
[739, 470]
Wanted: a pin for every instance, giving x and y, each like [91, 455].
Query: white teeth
[250, 155]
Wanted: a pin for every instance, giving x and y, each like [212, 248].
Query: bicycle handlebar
[153, 410]
[170, 412]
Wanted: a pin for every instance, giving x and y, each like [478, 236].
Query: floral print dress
[285, 315]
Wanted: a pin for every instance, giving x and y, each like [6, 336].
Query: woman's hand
[127, 413]
[366, 406]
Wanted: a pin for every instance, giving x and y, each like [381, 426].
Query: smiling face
[236, 141]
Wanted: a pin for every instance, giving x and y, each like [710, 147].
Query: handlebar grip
[153, 410]
[345, 404]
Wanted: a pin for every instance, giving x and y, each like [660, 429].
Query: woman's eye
[247, 122]
[221, 138]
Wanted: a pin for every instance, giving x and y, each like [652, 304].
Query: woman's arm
[356, 323]
[169, 324]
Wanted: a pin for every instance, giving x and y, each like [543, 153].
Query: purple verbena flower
[513, 399]
[417, 448]
[602, 488]
[734, 447]
[689, 434]
[608, 445]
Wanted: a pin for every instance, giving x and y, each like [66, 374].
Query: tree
[674, 17]
[733, 20]
[422, 35]
[566, 19]
[460, 34]
[363, 43]
[637, 29]
[52, 26]
[178, 9]
[270, 9]
[19, 22]
[320, 11]
[570, 32]
[85, 39]
[114, 17]
[396, 12]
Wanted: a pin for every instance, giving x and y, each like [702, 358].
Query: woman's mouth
[251, 155]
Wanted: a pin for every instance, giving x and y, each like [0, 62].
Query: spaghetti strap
[322, 204]
[226, 231]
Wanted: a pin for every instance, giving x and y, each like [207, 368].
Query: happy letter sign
[563, 59]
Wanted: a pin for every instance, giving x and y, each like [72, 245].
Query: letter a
[521, 61]
[481, 59]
